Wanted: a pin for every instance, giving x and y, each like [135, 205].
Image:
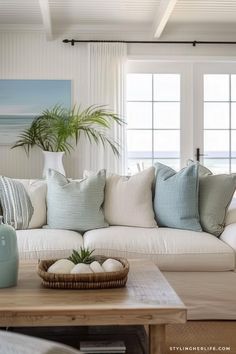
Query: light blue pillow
[176, 197]
[75, 205]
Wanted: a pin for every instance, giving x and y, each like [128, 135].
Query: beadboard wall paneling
[26, 55]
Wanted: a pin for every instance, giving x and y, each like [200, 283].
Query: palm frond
[58, 128]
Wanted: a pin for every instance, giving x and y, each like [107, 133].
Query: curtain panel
[107, 74]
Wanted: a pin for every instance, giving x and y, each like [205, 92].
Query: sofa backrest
[37, 190]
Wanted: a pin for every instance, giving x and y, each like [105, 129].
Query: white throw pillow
[37, 190]
[128, 200]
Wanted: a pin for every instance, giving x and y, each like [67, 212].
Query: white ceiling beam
[164, 12]
[46, 16]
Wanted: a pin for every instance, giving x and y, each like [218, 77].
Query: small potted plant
[56, 131]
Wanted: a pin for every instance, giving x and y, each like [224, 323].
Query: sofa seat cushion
[47, 243]
[170, 249]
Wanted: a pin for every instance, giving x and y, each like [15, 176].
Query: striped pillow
[16, 205]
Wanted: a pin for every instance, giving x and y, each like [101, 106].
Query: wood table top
[146, 298]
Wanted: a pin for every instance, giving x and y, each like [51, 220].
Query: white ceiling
[200, 11]
[124, 19]
[102, 11]
[20, 12]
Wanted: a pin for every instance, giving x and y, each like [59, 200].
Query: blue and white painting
[23, 100]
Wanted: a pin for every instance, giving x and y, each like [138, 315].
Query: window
[175, 108]
[153, 117]
[220, 122]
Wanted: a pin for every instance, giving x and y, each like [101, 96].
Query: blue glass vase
[9, 258]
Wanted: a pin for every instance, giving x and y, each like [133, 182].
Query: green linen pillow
[75, 205]
[176, 197]
[215, 195]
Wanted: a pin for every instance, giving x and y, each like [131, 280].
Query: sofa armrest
[229, 235]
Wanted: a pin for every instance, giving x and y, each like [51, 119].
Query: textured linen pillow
[128, 200]
[75, 205]
[176, 197]
[37, 191]
[16, 205]
[216, 193]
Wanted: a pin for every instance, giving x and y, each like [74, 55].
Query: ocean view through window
[153, 120]
[220, 122]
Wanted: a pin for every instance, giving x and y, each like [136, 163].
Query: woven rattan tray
[83, 281]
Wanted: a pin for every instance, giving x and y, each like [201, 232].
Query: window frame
[201, 69]
[186, 97]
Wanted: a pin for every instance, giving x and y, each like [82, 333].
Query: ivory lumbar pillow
[128, 200]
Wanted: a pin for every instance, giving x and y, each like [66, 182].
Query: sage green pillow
[176, 197]
[75, 205]
[215, 195]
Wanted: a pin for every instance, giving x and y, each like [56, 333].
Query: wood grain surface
[147, 299]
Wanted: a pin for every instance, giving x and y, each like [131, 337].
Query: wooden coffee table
[147, 299]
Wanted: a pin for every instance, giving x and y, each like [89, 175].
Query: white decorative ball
[81, 268]
[62, 266]
[96, 267]
[112, 265]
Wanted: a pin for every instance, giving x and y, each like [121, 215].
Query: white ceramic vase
[53, 160]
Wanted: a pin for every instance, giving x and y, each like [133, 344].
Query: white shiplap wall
[29, 56]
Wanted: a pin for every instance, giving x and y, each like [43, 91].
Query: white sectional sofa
[200, 266]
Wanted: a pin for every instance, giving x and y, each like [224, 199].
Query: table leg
[156, 339]
[146, 327]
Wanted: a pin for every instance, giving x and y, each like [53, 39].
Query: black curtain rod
[193, 43]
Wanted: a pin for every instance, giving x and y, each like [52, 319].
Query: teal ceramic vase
[9, 258]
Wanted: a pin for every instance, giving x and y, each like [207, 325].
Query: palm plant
[59, 129]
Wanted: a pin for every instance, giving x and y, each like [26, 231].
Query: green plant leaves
[84, 256]
[59, 129]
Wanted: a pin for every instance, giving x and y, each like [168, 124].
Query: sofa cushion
[37, 190]
[16, 204]
[215, 195]
[47, 243]
[75, 205]
[176, 197]
[170, 249]
[128, 200]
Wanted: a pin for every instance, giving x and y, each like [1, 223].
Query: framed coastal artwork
[23, 100]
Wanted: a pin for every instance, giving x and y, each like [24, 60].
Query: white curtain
[107, 62]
